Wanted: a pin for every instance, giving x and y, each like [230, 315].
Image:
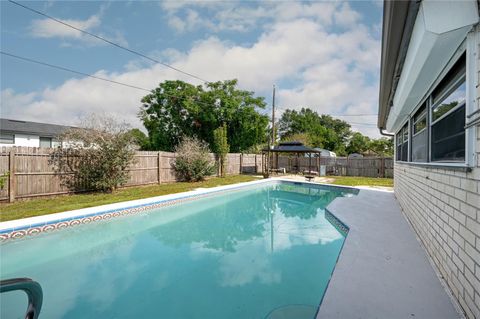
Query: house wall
[443, 206]
[27, 140]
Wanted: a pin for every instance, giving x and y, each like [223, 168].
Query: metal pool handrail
[31, 288]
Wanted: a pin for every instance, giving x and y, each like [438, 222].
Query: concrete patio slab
[382, 271]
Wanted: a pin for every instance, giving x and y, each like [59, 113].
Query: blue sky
[324, 55]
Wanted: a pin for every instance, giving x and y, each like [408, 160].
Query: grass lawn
[43, 206]
[361, 181]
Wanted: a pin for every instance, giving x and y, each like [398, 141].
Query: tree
[382, 146]
[97, 156]
[175, 109]
[303, 138]
[140, 139]
[193, 162]
[322, 130]
[358, 143]
[221, 147]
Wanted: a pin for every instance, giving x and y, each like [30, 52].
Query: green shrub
[97, 155]
[193, 162]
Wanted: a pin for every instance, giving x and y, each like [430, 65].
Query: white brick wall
[444, 208]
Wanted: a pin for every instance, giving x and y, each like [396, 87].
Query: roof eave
[398, 21]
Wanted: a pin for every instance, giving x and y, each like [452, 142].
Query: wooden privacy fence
[342, 166]
[31, 175]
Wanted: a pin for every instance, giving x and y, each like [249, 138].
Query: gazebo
[294, 147]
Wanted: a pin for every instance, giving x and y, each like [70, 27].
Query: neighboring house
[32, 134]
[429, 97]
[355, 155]
[325, 153]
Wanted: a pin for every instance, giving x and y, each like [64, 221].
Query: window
[438, 126]
[419, 135]
[7, 138]
[448, 116]
[45, 141]
[402, 144]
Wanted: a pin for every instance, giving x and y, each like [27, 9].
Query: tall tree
[382, 146]
[168, 113]
[140, 139]
[175, 109]
[221, 147]
[322, 130]
[358, 143]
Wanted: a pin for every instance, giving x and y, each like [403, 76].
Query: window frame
[405, 130]
[423, 114]
[469, 49]
[44, 138]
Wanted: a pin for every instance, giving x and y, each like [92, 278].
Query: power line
[108, 80]
[89, 75]
[72, 71]
[107, 41]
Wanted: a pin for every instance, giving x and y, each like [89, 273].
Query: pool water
[265, 251]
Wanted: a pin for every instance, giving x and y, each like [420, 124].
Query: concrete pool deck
[383, 271]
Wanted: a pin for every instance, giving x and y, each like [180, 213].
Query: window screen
[448, 117]
[419, 136]
[399, 145]
[402, 144]
[448, 137]
[454, 99]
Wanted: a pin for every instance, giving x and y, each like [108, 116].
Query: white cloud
[48, 28]
[231, 16]
[332, 72]
[346, 16]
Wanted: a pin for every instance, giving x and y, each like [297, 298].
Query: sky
[322, 54]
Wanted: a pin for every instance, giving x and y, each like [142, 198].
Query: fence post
[256, 170]
[241, 163]
[11, 176]
[318, 164]
[382, 167]
[159, 168]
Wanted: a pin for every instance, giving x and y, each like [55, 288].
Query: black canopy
[291, 147]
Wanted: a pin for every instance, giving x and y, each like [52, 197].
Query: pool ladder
[31, 288]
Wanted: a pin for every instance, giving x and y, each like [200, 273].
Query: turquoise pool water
[266, 251]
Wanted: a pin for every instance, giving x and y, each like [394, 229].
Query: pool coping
[19, 228]
[383, 271]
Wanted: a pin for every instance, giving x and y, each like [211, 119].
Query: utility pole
[273, 117]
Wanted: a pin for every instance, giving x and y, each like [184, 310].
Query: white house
[429, 98]
[32, 134]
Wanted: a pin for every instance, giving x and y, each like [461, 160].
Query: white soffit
[440, 28]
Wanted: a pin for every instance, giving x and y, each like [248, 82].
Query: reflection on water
[238, 255]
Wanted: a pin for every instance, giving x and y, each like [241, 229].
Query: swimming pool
[262, 251]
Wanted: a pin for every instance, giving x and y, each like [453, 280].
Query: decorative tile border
[35, 229]
[339, 225]
[26, 229]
